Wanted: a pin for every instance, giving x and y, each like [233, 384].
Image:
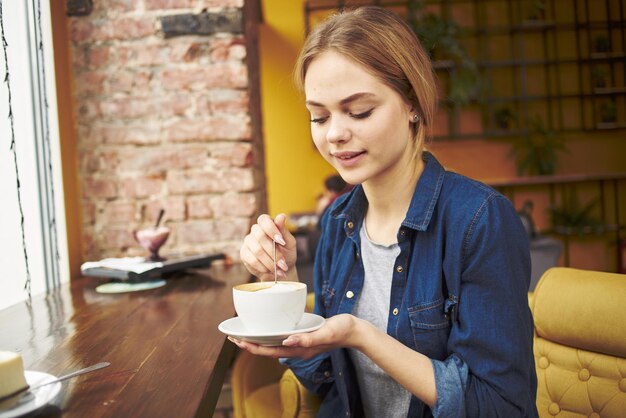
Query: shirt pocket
[430, 326]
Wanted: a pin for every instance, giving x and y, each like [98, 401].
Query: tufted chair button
[594, 415]
[544, 362]
[584, 375]
[554, 408]
[622, 385]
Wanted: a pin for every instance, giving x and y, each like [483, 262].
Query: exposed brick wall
[167, 123]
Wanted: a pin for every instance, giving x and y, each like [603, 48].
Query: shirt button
[399, 269]
[395, 311]
[402, 232]
[327, 373]
[349, 294]
[350, 224]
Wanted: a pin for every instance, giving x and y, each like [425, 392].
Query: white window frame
[37, 145]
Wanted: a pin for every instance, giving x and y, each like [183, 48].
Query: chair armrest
[310, 302]
[297, 401]
[250, 373]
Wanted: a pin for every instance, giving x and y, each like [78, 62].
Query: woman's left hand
[337, 331]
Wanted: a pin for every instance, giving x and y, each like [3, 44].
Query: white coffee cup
[265, 307]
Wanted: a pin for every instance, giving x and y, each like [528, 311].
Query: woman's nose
[338, 131]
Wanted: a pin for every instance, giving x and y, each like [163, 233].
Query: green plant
[608, 111]
[504, 117]
[599, 75]
[537, 152]
[440, 38]
[537, 8]
[573, 217]
[601, 43]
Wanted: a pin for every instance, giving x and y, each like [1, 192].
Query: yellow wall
[295, 170]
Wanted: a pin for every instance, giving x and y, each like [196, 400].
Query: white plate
[35, 399]
[234, 327]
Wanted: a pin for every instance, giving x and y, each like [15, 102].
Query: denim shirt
[458, 295]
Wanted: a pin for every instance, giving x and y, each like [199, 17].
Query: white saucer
[234, 327]
[33, 400]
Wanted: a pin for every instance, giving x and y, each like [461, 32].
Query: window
[30, 97]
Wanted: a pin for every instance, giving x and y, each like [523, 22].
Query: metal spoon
[275, 272]
[60, 379]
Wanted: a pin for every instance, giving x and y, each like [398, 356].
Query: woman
[421, 273]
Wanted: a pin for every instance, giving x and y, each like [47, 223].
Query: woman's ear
[410, 111]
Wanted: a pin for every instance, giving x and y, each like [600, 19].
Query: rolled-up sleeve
[315, 374]
[451, 383]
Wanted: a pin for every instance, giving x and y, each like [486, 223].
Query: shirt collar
[354, 204]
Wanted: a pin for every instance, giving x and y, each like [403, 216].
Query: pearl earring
[416, 118]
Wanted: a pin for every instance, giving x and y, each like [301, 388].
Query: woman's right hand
[257, 251]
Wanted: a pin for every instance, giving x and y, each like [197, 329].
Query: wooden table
[167, 357]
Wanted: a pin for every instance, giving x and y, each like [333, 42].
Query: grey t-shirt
[382, 396]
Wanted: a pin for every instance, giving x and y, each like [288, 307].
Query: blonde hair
[381, 42]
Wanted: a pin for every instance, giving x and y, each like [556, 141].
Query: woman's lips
[349, 158]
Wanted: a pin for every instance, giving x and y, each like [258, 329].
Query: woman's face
[359, 125]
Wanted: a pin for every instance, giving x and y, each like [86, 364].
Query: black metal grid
[560, 62]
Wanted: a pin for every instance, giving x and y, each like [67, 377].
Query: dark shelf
[584, 230]
[533, 25]
[610, 125]
[537, 62]
[607, 91]
[607, 55]
[549, 62]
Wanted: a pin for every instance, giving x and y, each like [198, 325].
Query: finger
[271, 229]
[262, 247]
[281, 223]
[319, 338]
[255, 262]
[287, 240]
[300, 340]
[268, 351]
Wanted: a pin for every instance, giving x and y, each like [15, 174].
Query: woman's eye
[319, 120]
[361, 115]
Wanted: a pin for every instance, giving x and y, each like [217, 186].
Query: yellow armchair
[255, 386]
[580, 343]
[580, 354]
